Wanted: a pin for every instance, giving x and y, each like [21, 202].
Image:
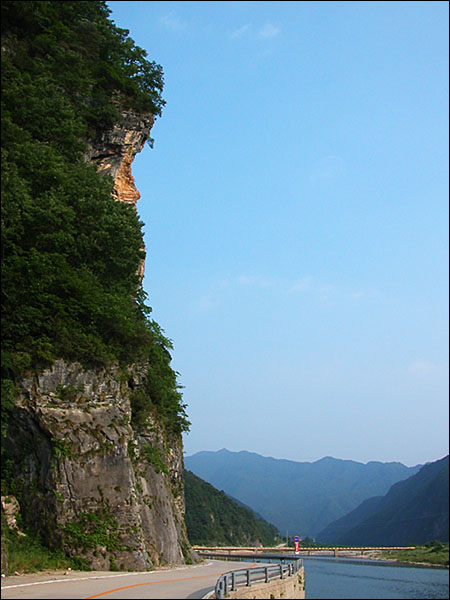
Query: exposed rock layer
[113, 152]
[88, 484]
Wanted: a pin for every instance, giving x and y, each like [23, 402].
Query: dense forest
[70, 253]
[213, 518]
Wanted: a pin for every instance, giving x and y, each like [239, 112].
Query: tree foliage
[75, 46]
[213, 518]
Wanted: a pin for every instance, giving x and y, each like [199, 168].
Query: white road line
[8, 587]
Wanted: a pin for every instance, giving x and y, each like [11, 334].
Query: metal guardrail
[229, 582]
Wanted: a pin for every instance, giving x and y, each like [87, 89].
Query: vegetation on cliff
[213, 518]
[70, 253]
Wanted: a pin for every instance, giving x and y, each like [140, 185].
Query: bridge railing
[245, 577]
[254, 549]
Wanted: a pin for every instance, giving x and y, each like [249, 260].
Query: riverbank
[421, 556]
[432, 554]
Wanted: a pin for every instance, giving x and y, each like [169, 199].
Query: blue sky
[296, 222]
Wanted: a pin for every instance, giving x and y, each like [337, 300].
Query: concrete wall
[289, 587]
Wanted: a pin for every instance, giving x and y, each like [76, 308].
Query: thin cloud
[306, 286]
[205, 303]
[327, 168]
[253, 280]
[422, 367]
[172, 22]
[268, 31]
[240, 31]
[326, 291]
[263, 33]
[302, 285]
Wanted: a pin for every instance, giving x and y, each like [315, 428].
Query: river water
[337, 578]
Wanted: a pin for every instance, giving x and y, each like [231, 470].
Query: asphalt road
[181, 582]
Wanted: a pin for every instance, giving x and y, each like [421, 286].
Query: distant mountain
[338, 528]
[414, 511]
[299, 497]
[257, 515]
[213, 518]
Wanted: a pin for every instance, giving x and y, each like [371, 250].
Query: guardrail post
[231, 580]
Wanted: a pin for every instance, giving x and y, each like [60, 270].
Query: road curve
[181, 582]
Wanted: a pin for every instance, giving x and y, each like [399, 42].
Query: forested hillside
[414, 511]
[213, 518]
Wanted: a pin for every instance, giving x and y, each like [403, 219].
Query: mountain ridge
[412, 512]
[309, 492]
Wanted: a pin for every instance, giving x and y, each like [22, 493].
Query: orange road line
[127, 587]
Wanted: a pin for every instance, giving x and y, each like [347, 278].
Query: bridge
[224, 551]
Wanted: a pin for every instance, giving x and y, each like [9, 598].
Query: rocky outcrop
[90, 483]
[10, 510]
[113, 152]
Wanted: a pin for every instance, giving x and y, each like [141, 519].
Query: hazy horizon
[318, 459]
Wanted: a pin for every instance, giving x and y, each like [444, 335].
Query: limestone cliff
[91, 481]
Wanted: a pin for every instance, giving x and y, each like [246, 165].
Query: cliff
[93, 485]
[90, 482]
[91, 414]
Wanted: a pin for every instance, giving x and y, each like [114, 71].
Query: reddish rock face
[124, 185]
[113, 153]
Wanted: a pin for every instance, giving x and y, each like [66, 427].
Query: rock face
[90, 482]
[93, 485]
[11, 508]
[113, 152]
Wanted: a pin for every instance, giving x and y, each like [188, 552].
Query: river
[352, 578]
